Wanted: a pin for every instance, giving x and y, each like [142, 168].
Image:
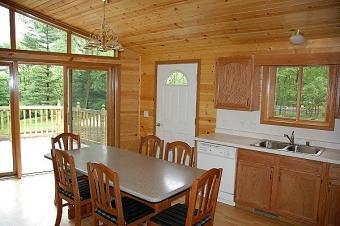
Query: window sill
[300, 124]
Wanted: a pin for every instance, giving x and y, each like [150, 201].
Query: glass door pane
[88, 103]
[6, 153]
[41, 113]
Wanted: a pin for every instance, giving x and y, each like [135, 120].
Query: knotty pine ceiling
[149, 26]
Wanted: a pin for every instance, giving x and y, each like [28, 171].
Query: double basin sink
[283, 146]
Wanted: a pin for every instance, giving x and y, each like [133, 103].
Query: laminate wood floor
[29, 202]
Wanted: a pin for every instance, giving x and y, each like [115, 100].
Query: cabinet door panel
[234, 83]
[333, 204]
[254, 184]
[298, 195]
[338, 95]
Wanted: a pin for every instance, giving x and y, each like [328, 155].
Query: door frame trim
[198, 79]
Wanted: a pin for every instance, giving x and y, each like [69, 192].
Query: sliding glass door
[41, 96]
[6, 141]
[88, 104]
[33, 101]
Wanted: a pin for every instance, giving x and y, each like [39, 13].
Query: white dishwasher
[210, 155]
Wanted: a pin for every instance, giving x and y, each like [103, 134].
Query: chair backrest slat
[65, 141]
[65, 172]
[203, 197]
[104, 187]
[180, 153]
[152, 146]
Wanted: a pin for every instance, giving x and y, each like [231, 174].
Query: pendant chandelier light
[104, 39]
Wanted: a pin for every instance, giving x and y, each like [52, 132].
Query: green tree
[286, 90]
[315, 91]
[89, 89]
[41, 36]
[41, 84]
[4, 86]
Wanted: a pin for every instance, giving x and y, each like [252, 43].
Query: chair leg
[77, 220]
[59, 209]
[55, 195]
[150, 223]
[95, 221]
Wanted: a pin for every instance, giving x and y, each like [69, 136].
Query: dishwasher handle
[217, 150]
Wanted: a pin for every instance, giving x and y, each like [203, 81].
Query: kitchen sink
[272, 144]
[304, 149]
[284, 146]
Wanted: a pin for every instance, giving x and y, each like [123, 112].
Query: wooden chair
[75, 192]
[181, 153]
[151, 146]
[202, 204]
[65, 141]
[108, 205]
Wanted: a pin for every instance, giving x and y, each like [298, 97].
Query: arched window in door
[177, 78]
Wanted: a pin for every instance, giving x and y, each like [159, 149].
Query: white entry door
[176, 102]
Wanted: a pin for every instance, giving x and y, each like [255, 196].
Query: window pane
[78, 44]
[35, 35]
[5, 40]
[89, 102]
[314, 93]
[286, 92]
[6, 154]
[177, 78]
[41, 111]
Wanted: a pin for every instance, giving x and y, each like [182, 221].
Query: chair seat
[132, 210]
[175, 216]
[80, 174]
[84, 190]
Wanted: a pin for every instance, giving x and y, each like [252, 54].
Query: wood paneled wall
[207, 111]
[129, 100]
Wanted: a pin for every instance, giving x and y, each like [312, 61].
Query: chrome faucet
[290, 138]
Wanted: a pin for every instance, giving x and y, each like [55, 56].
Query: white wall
[248, 124]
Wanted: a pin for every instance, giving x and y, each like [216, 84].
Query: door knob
[158, 124]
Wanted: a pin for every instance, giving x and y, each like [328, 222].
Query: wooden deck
[32, 154]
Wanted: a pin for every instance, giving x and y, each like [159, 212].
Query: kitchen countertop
[328, 155]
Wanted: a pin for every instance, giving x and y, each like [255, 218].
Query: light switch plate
[146, 114]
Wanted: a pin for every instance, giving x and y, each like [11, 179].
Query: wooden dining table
[153, 181]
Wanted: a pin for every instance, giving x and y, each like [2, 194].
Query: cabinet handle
[329, 186]
[271, 174]
[279, 176]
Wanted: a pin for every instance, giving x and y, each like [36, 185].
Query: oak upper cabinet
[237, 84]
[254, 179]
[332, 216]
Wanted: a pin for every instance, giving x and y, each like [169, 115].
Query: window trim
[268, 98]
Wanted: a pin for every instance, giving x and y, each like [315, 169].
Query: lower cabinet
[297, 195]
[286, 186]
[254, 184]
[332, 216]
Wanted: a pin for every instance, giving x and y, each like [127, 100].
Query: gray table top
[148, 178]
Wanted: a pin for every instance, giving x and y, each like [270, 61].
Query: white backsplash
[245, 123]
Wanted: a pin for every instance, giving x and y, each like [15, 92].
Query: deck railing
[49, 120]
[90, 124]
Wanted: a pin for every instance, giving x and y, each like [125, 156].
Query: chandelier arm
[104, 21]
